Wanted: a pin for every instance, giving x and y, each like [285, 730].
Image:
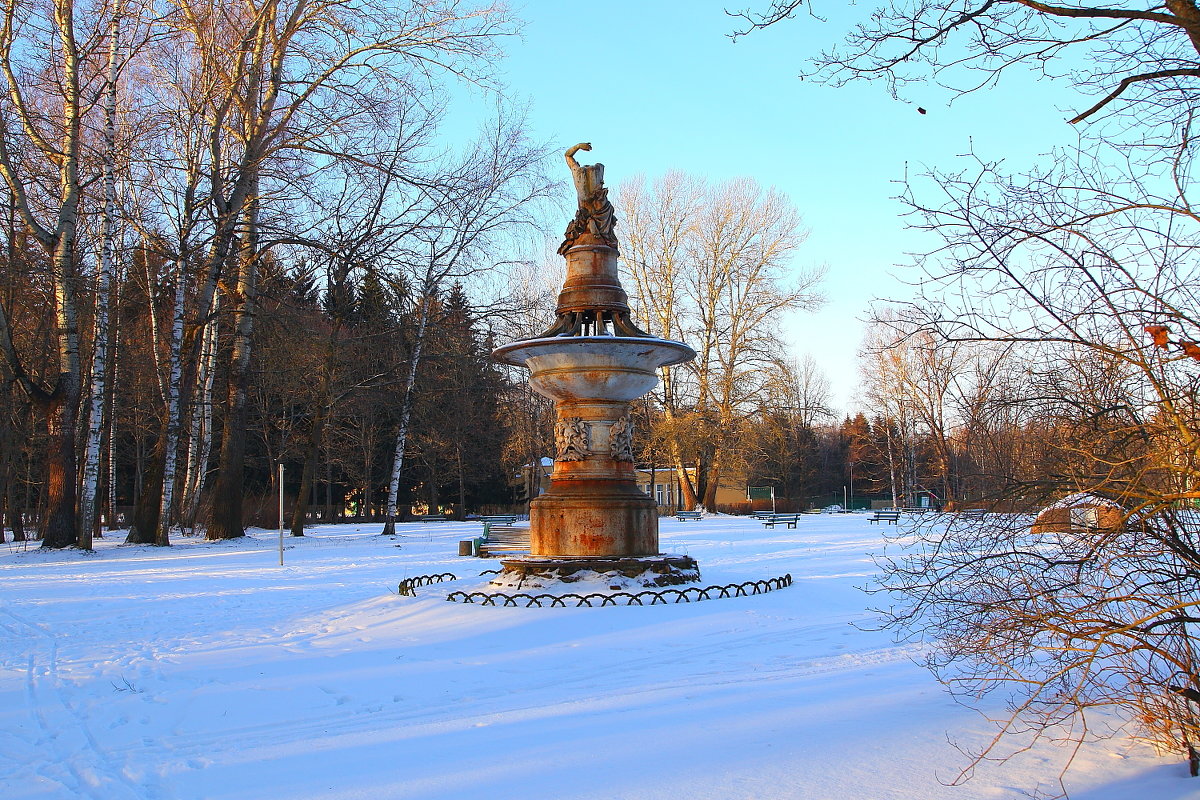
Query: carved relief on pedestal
[572, 439]
[620, 439]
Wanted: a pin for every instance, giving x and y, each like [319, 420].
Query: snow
[1083, 499]
[206, 671]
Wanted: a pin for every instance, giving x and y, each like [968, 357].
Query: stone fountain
[593, 362]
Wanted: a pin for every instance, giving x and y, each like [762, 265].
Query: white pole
[281, 515]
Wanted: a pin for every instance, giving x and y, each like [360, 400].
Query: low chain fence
[648, 597]
[409, 584]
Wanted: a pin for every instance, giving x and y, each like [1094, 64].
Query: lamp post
[851, 483]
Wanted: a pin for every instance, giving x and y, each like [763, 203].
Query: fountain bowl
[603, 368]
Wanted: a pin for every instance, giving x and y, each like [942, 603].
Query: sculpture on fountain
[592, 362]
[595, 221]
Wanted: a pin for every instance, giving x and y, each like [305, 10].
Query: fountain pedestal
[592, 363]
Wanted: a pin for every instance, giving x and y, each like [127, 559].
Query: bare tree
[1083, 270]
[712, 265]
[1137, 60]
[310, 81]
[1089, 278]
[804, 390]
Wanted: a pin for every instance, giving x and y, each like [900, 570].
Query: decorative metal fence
[647, 597]
[409, 584]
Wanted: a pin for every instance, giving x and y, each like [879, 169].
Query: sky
[657, 85]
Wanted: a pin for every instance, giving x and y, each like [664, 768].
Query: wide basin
[612, 368]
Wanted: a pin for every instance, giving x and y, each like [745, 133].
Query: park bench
[497, 519]
[684, 516]
[771, 520]
[889, 515]
[433, 518]
[499, 539]
[496, 539]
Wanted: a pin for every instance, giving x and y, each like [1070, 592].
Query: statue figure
[595, 219]
[620, 439]
[572, 440]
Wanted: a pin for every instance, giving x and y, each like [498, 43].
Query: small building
[1082, 512]
[662, 484]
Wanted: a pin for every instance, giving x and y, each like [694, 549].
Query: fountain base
[645, 572]
[593, 519]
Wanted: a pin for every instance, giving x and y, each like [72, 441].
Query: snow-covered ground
[207, 671]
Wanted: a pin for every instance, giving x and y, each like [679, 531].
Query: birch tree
[47, 56]
[105, 279]
[490, 194]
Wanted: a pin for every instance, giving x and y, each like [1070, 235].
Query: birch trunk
[891, 457]
[95, 417]
[414, 359]
[62, 409]
[110, 424]
[58, 402]
[171, 434]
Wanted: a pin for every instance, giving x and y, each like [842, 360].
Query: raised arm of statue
[571, 162]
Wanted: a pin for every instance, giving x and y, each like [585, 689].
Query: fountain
[593, 362]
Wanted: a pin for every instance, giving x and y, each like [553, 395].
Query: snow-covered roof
[1084, 499]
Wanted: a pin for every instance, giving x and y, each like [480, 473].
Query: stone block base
[659, 570]
[593, 519]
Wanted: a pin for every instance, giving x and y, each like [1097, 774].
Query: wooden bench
[504, 539]
[889, 515]
[433, 518]
[770, 520]
[684, 516]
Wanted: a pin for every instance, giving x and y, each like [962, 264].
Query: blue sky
[657, 85]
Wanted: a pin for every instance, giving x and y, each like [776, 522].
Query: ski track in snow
[138, 673]
[70, 754]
